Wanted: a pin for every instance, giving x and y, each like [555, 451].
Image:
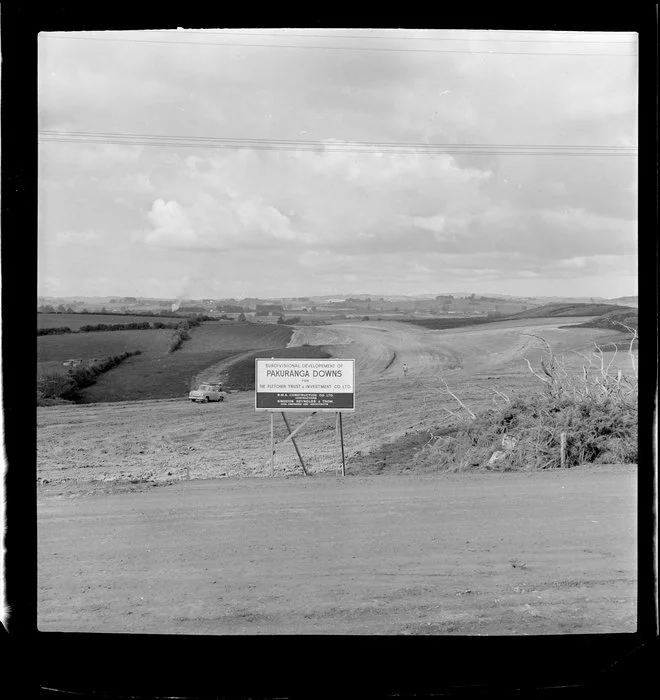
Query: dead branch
[460, 403]
[538, 376]
[543, 340]
[616, 350]
[495, 391]
[635, 336]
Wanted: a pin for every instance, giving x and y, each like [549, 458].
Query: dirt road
[170, 439]
[533, 553]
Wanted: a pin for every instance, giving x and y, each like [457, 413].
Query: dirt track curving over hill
[98, 445]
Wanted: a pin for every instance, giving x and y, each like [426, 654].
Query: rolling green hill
[551, 310]
[614, 320]
[156, 374]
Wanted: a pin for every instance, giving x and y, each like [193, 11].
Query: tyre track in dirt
[218, 371]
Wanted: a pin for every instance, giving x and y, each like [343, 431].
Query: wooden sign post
[341, 434]
[272, 446]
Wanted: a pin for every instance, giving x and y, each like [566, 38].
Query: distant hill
[612, 321]
[626, 301]
[551, 310]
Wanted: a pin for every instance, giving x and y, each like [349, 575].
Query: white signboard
[304, 385]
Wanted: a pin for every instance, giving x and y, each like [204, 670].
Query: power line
[317, 141]
[335, 48]
[382, 148]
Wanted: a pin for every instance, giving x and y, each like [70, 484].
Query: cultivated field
[156, 373]
[126, 544]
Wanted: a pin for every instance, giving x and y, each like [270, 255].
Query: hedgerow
[57, 388]
[180, 335]
[133, 326]
[59, 330]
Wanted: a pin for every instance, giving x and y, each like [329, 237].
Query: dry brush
[589, 416]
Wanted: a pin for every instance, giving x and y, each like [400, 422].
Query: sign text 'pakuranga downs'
[306, 385]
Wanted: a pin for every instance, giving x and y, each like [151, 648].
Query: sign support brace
[339, 433]
[291, 434]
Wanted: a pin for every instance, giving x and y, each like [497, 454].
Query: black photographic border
[102, 665]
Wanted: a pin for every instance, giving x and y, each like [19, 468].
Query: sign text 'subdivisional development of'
[307, 385]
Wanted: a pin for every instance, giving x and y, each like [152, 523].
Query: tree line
[134, 326]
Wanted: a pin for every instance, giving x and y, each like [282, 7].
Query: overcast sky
[197, 221]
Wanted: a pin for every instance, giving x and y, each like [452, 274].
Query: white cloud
[172, 226]
[222, 223]
[410, 220]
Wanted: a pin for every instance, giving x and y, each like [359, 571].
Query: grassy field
[612, 320]
[447, 322]
[58, 348]
[238, 337]
[163, 376]
[156, 374]
[552, 310]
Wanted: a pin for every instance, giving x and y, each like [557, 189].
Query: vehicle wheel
[206, 399]
[222, 398]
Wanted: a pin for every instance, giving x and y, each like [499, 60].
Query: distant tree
[241, 317]
[60, 309]
[281, 319]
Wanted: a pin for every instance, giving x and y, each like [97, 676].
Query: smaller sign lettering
[303, 384]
